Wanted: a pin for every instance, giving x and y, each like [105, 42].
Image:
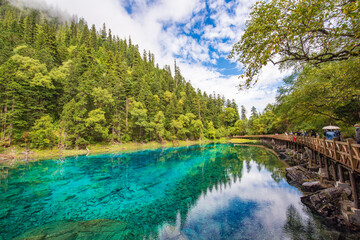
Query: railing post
[313, 155]
[297, 146]
[341, 174]
[354, 189]
[334, 149]
[333, 164]
[326, 167]
[349, 142]
[319, 157]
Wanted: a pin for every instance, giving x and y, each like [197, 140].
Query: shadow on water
[199, 192]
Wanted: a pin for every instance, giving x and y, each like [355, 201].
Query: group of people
[329, 134]
[298, 133]
[303, 133]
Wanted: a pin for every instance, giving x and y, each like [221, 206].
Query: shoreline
[16, 155]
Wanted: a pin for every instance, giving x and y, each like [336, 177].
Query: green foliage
[42, 134]
[96, 131]
[73, 122]
[297, 32]
[313, 98]
[240, 127]
[321, 39]
[325, 95]
[96, 86]
[230, 116]
[138, 118]
[159, 125]
[211, 131]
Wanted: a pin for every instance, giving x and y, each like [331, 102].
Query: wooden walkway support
[337, 155]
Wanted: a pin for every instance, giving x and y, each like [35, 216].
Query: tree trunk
[199, 108]
[127, 115]
[112, 133]
[119, 127]
[11, 125]
[4, 125]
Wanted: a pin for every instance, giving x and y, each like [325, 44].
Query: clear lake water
[216, 191]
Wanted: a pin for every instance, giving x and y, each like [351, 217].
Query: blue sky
[199, 34]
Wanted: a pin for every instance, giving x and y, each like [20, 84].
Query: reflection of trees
[4, 172]
[223, 167]
[294, 225]
[216, 171]
[298, 229]
[263, 158]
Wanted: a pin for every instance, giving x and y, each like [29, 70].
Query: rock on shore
[300, 175]
[328, 204]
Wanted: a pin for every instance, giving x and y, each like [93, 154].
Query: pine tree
[97, 86]
[243, 112]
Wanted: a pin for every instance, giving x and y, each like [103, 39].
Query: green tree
[240, 127]
[97, 86]
[211, 131]
[159, 126]
[297, 32]
[42, 134]
[25, 91]
[243, 112]
[95, 123]
[138, 119]
[73, 122]
[330, 93]
[198, 128]
[229, 116]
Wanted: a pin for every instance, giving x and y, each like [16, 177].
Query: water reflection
[250, 205]
[198, 192]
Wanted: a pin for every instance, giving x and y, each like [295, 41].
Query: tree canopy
[288, 32]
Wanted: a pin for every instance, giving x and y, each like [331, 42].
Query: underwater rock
[93, 229]
[328, 204]
[285, 157]
[4, 213]
[300, 175]
[172, 233]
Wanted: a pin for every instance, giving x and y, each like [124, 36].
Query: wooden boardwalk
[346, 153]
[333, 157]
[337, 155]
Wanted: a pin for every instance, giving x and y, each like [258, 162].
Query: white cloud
[257, 186]
[166, 28]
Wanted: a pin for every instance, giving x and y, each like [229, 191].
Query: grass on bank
[244, 141]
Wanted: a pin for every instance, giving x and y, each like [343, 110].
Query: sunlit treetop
[293, 32]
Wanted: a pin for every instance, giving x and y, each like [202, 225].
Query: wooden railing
[347, 153]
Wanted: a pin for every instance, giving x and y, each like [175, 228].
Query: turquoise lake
[217, 191]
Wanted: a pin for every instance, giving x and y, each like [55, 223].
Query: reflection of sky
[253, 207]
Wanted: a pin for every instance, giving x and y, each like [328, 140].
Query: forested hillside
[70, 84]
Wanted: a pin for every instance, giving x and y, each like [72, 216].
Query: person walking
[357, 133]
[313, 133]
